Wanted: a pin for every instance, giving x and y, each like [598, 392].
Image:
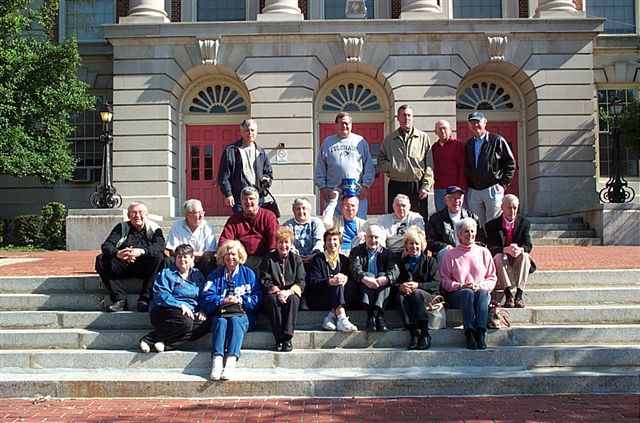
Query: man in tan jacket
[405, 157]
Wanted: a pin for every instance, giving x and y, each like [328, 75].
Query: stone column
[146, 11]
[422, 9]
[281, 10]
[557, 9]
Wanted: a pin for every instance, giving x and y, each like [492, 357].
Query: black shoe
[470, 338]
[278, 347]
[143, 306]
[371, 324]
[287, 346]
[413, 342]
[480, 339]
[381, 325]
[424, 342]
[120, 305]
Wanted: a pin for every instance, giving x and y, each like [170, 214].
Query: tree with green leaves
[39, 90]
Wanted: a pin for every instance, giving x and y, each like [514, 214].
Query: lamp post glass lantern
[616, 189]
[105, 196]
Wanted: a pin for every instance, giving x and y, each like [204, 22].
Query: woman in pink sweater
[468, 275]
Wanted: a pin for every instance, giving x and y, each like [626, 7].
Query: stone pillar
[422, 9]
[146, 11]
[281, 10]
[557, 9]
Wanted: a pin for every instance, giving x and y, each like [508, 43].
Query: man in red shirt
[448, 162]
[255, 227]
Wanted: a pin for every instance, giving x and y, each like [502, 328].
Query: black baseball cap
[452, 189]
[475, 116]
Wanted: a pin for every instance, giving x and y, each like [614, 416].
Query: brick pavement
[583, 408]
[62, 263]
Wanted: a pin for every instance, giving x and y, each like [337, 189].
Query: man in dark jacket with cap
[489, 167]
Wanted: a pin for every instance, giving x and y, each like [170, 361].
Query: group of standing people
[336, 261]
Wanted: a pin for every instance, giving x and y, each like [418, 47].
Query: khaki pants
[512, 271]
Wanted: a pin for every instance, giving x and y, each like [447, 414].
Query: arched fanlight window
[484, 96]
[350, 98]
[218, 99]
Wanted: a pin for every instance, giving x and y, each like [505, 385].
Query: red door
[509, 130]
[204, 149]
[374, 134]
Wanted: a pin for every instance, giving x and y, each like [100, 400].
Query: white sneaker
[159, 346]
[344, 325]
[216, 371]
[329, 322]
[229, 367]
[144, 347]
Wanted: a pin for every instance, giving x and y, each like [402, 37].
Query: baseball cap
[452, 189]
[475, 116]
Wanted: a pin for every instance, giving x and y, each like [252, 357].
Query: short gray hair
[401, 197]
[510, 199]
[301, 201]
[380, 231]
[248, 191]
[137, 203]
[248, 122]
[190, 204]
[465, 223]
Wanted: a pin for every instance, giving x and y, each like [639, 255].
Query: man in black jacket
[489, 167]
[133, 249]
[509, 241]
[244, 163]
[441, 234]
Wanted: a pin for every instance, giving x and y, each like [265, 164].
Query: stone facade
[544, 71]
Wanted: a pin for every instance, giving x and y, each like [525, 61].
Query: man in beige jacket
[405, 157]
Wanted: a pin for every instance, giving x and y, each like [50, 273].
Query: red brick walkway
[583, 408]
[547, 258]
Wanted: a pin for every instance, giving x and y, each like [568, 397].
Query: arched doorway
[212, 112]
[500, 104]
[367, 104]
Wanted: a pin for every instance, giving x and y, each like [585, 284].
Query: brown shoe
[508, 303]
[519, 303]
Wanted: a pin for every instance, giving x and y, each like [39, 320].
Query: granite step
[529, 335]
[542, 315]
[567, 242]
[373, 358]
[91, 283]
[588, 233]
[325, 382]
[577, 226]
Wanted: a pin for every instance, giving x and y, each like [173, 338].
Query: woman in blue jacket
[230, 300]
[174, 310]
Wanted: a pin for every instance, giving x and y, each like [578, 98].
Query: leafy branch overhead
[39, 91]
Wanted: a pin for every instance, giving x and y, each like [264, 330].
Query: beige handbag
[437, 313]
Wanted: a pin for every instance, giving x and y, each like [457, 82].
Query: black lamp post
[105, 196]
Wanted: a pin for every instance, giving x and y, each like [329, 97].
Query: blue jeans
[438, 198]
[227, 334]
[474, 306]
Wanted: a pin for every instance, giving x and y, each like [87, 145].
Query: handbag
[271, 204]
[498, 317]
[230, 310]
[437, 313]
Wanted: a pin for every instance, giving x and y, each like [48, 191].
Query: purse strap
[270, 195]
[435, 301]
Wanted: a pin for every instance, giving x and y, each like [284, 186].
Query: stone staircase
[580, 333]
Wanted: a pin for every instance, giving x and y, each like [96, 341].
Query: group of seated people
[335, 262]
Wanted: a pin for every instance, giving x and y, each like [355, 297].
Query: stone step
[554, 219]
[373, 358]
[326, 382]
[559, 226]
[91, 283]
[589, 233]
[564, 242]
[529, 335]
[541, 315]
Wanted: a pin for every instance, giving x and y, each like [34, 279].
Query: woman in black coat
[282, 275]
[417, 284]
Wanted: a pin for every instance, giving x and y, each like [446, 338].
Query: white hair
[190, 204]
[467, 222]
